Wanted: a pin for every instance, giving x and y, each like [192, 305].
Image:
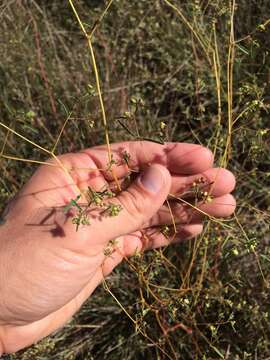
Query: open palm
[49, 268]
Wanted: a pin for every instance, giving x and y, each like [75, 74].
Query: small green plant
[95, 199]
[81, 217]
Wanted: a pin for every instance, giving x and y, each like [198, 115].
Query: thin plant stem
[100, 18]
[217, 71]
[230, 64]
[106, 287]
[190, 27]
[93, 58]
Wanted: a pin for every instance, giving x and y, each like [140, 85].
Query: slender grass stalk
[217, 71]
[100, 18]
[191, 28]
[230, 65]
[93, 58]
[139, 329]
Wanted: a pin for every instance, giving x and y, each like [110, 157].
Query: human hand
[48, 269]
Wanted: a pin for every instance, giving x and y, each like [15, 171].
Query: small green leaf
[243, 49]
[72, 203]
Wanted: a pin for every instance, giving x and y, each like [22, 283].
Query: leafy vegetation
[192, 71]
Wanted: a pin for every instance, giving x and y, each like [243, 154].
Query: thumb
[139, 202]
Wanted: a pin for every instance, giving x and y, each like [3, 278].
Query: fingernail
[152, 179]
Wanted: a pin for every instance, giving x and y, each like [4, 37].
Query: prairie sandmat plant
[74, 74]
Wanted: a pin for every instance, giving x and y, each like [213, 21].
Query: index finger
[179, 158]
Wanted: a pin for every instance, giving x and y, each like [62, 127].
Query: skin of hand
[48, 269]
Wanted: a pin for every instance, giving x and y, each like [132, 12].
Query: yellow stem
[93, 58]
